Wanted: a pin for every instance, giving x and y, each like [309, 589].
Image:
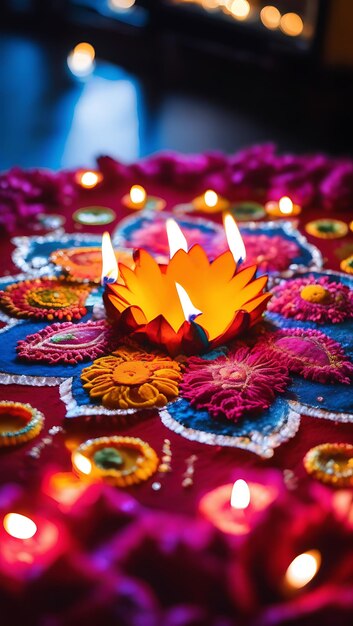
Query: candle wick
[108, 280]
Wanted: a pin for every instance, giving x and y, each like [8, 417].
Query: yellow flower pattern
[132, 379]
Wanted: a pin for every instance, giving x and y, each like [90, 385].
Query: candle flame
[137, 194]
[90, 179]
[210, 198]
[303, 569]
[176, 239]
[82, 463]
[110, 271]
[190, 311]
[240, 497]
[19, 526]
[285, 205]
[234, 238]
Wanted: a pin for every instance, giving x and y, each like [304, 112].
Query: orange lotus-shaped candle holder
[188, 306]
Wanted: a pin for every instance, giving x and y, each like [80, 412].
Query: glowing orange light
[81, 60]
[110, 271]
[138, 195]
[176, 238]
[81, 463]
[240, 497]
[19, 526]
[234, 238]
[211, 198]
[292, 24]
[303, 569]
[65, 488]
[270, 17]
[210, 5]
[240, 9]
[285, 205]
[189, 309]
[89, 179]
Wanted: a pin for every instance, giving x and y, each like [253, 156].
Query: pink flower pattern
[311, 354]
[244, 381]
[337, 306]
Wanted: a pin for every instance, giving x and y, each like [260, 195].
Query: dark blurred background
[187, 75]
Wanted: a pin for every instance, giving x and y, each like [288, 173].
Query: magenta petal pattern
[244, 381]
[68, 342]
[311, 354]
[336, 307]
[271, 254]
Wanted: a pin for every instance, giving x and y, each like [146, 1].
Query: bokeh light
[292, 24]
[303, 569]
[240, 9]
[270, 17]
[81, 60]
[19, 526]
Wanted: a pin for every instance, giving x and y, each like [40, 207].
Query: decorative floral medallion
[94, 216]
[68, 342]
[244, 381]
[270, 253]
[131, 378]
[331, 463]
[18, 423]
[45, 298]
[120, 461]
[313, 299]
[347, 265]
[272, 246]
[327, 228]
[85, 264]
[311, 354]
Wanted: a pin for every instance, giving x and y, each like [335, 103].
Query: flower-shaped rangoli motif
[130, 378]
[244, 381]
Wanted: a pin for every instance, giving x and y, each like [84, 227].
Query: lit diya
[138, 199]
[283, 208]
[120, 461]
[85, 264]
[191, 304]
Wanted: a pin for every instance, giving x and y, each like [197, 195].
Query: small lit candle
[302, 569]
[138, 199]
[88, 179]
[283, 208]
[210, 202]
[81, 464]
[234, 508]
[28, 546]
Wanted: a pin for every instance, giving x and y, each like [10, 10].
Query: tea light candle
[210, 202]
[234, 508]
[28, 546]
[283, 208]
[137, 199]
[88, 179]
